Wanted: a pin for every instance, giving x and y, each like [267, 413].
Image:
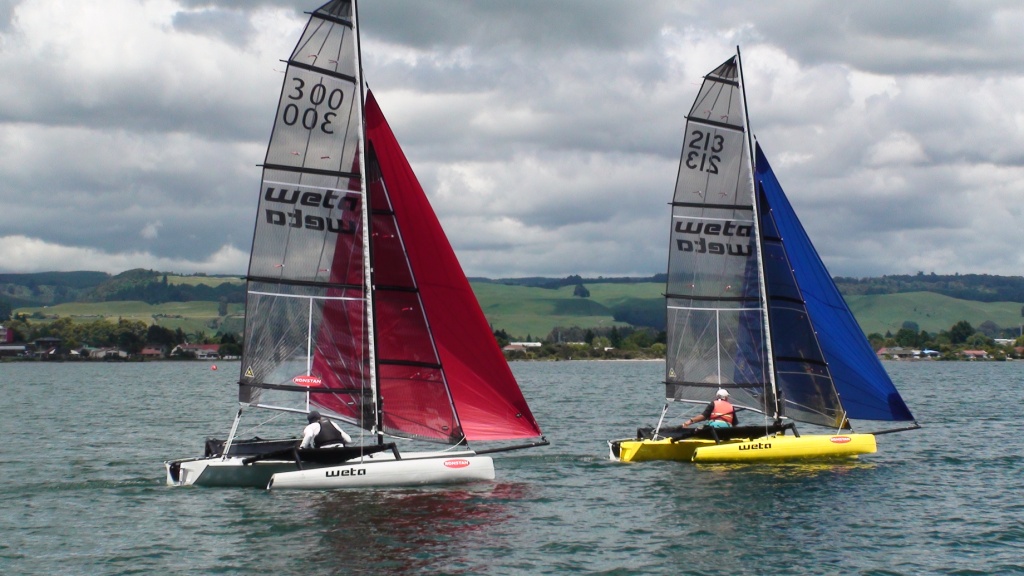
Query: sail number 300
[310, 117]
[698, 158]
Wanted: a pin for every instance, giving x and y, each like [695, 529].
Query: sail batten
[307, 389]
[321, 70]
[331, 18]
[738, 208]
[313, 284]
[312, 171]
[710, 299]
[705, 122]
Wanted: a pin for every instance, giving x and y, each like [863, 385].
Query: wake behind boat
[751, 309]
[356, 304]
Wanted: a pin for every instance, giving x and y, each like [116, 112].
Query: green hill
[531, 307]
[521, 310]
[48, 287]
[524, 311]
[932, 312]
[191, 317]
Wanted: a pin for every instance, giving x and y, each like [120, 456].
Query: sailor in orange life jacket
[719, 413]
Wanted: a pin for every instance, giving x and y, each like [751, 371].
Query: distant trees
[960, 332]
[160, 336]
[989, 328]
[615, 337]
[153, 288]
[951, 343]
[979, 340]
[906, 337]
[229, 345]
[976, 287]
[627, 342]
[126, 334]
[615, 342]
[581, 291]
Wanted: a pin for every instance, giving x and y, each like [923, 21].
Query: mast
[371, 333]
[763, 291]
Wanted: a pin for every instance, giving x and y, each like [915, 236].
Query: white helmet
[722, 393]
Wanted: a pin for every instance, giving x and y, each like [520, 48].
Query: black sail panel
[714, 319]
[305, 311]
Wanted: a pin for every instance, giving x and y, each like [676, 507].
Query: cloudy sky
[546, 132]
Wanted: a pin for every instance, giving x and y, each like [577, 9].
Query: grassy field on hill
[521, 311]
[932, 312]
[525, 311]
[211, 281]
[191, 317]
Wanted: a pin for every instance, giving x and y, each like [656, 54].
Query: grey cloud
[541, 129]
[231, 26]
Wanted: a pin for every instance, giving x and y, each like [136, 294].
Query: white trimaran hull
[377, 470]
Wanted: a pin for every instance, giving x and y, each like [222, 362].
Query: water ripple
[941, 500]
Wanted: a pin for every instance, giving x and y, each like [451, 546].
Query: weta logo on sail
[704, 245]
[346, 472]
[840, 439]
[317, 202]
[459, 463]
[758, 446]
[307, 380]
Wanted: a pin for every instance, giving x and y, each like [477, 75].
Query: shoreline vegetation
[156, 315]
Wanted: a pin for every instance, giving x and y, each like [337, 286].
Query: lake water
[83, 487]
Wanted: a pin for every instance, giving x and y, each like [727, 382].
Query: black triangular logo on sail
[249, 373]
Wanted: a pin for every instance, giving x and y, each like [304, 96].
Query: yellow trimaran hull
[764, 449]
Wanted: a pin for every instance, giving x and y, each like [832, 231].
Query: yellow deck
[768, 448]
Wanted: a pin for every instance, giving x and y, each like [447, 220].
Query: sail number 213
[698, 146]
[310, 117]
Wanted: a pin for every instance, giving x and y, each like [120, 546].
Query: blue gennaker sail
[864, 388]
